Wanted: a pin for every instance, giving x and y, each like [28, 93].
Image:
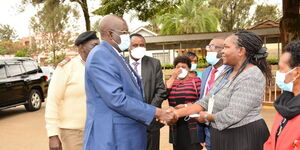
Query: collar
[220, 69]
[288, 105]
[132, 61]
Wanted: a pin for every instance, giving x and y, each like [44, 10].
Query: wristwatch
[205, 117]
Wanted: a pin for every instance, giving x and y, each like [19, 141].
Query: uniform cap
[86, 36]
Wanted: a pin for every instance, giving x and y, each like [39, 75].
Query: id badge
[211, 102]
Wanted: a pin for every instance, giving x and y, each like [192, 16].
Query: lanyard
[223, 82]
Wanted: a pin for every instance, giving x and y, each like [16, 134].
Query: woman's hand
[201, 118]
[176, 72]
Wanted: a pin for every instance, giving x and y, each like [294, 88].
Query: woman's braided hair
[255, 53]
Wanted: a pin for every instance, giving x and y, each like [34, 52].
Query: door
[16, 88]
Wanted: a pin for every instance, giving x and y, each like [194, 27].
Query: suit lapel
[120, 59]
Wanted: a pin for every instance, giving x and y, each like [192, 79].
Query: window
[30, 66]
[2, 72]
[14, 70]
[163, 57]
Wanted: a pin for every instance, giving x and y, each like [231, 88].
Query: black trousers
[153, 139]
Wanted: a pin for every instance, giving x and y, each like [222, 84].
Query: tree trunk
[85, 11]
[289, 23]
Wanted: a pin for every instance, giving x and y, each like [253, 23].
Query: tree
[191, 16]
[9, 47]
[235, 13]
[145, 9]
[83, 4]
[7, 33]
[265, 12]
[290, 21]
[50, 25]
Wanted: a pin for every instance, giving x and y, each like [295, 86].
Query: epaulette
[64, 62]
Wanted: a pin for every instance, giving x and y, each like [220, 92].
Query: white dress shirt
[139, 67]
[217, 74]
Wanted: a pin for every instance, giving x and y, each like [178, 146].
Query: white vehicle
[48, 71]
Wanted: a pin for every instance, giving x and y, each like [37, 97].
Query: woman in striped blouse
[182, 90]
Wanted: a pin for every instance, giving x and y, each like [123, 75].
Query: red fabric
[211, 80]
[289, 139]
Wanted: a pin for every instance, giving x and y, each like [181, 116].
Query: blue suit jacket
[205, 75]
[117, 117]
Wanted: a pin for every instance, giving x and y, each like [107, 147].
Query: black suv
[22, 82]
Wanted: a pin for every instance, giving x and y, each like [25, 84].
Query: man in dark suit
[149, 69]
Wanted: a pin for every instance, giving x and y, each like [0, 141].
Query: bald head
[111, 27]
[111, 22]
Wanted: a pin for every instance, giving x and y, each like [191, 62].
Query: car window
[30, 66]
[2, 72]
[14, 69]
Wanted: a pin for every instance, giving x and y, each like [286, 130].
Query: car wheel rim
[35, 100]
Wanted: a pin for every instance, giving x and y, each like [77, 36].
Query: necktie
[129, 68]
[135, 64]
[211, 80]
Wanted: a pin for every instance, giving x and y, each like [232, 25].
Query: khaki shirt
[66, 101]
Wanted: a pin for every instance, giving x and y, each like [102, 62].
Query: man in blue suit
[211, 73]
[117, 117]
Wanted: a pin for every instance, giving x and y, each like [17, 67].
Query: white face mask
[138, 52]
[125, 41]
[194, 67]
[211, 58]
[183, 74]
[279, 79]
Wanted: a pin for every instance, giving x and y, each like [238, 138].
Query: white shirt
[217, 74]
[139, 67]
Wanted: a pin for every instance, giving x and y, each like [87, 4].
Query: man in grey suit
[149, 69]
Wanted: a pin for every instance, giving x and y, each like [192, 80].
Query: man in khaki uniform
[65, 113]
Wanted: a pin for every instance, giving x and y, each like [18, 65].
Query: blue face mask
[279, 79]
[211, 58]
[193, 67]
[125, 41]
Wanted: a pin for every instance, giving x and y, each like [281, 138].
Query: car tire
[34, 100]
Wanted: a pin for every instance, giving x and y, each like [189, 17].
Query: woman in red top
[285, 134]
[183, 89]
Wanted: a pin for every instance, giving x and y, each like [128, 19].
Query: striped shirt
[184, 92]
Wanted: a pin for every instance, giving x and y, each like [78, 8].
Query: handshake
[167, 116]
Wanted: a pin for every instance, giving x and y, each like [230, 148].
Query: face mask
[211, 58]
[183, 73]
[193, 67]
[279, 79]
[138, 52]
[125, 41]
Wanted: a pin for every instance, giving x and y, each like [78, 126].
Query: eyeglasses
[213, 47]
[121, 32]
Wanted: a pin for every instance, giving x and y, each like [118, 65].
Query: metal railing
[271, 92]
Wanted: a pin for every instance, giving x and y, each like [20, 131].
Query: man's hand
[54, 143]
[166, 116]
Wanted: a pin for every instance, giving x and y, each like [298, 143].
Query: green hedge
[273, 61]
[167, 66]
